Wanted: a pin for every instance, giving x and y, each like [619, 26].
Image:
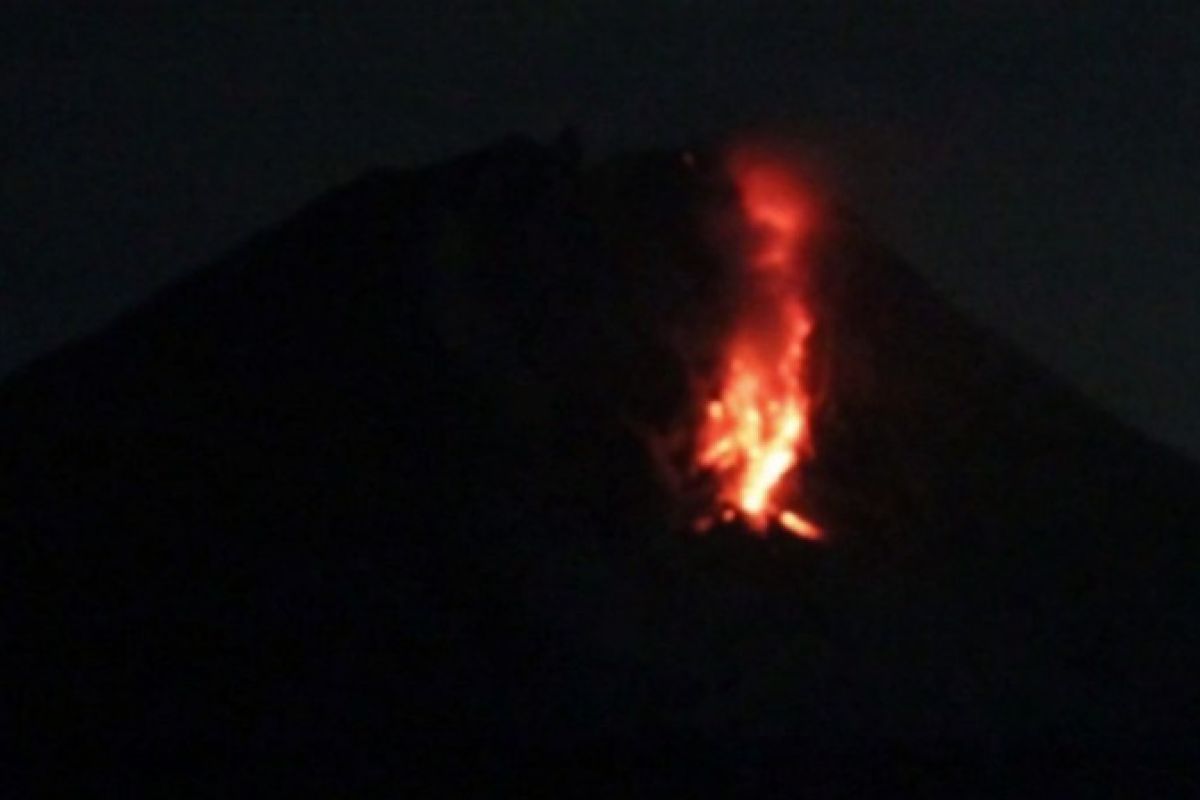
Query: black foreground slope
[367, 503]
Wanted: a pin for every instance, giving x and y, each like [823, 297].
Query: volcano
[387, 498]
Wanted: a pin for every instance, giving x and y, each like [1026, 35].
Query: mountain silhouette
[371, 503]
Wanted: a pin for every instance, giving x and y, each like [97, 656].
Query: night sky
[1038, 163]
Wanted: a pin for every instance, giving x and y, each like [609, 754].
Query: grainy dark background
[1037, 160]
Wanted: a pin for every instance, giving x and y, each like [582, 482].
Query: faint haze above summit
[1036, 161]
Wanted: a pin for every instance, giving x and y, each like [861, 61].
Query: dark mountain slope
[369, 502]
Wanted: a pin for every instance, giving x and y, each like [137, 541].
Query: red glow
[756, 428]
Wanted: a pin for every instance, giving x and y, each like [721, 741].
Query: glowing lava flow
[755, 430]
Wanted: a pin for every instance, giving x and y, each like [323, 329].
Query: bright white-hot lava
[756, 429]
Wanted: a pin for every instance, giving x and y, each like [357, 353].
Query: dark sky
[1038, 161]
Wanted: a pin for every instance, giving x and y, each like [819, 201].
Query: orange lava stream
[756, 430]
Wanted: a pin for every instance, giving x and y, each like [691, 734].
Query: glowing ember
[755, 431]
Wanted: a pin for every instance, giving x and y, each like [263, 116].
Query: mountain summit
[381, 499]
